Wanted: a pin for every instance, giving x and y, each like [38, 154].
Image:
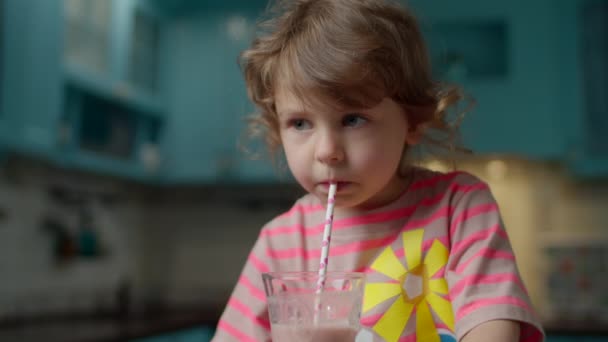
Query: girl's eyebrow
[289, 112]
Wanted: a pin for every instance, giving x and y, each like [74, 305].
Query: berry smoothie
[293, 316]
[324, 332]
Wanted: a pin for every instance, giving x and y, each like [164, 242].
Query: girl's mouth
[341, 185]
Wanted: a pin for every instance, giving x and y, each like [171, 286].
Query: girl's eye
[353, 120]
[299, 124]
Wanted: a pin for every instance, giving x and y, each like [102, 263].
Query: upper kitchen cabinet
[507, 57]
[186, 8]
[112, 47]
[79, 86]
[30, 98]
[113, 101]
[584, 83]
[207, 100]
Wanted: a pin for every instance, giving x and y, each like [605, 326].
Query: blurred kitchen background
[127, 207]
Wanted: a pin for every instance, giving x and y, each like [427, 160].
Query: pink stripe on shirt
[482, 235]
[504, 300]
[304, 209]
[375, 217]
[408, 211]
[341, 223]
[246, 311]
[486, 253]
[426, 245]
[284, 230]
[258, 264]
[426, 183]
[370, 320]
[481, 279]
[472, 212]
[353, 247]
[254, 291]
[225, 326]
[421, 223]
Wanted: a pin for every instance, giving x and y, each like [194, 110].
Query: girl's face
[359, 149]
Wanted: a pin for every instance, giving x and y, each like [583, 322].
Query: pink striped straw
[329, 218]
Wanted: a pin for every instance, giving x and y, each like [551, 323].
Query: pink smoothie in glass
[325, 332]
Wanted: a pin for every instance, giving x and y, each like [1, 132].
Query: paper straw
[329, 218]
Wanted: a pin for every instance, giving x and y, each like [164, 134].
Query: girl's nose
[329, 149]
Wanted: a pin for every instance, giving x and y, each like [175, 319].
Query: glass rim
[301, 275]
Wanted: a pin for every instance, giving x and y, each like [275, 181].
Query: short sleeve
[482, 274]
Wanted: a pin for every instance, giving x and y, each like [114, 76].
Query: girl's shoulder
[424, 177]
[445, 187]
[426, 180]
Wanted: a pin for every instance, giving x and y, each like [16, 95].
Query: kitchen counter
[108, 328]
[111, 329]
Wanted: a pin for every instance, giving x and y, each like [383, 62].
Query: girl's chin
[341, 202]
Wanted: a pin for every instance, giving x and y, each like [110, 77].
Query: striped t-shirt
[447, 223]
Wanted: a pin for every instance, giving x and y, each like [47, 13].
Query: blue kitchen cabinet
[207, 100]
[113, 104]
[505, 56]
[61, 57]
[31, 76]
[180, 8]
[112, 47]
[539, 81]
[584, 83]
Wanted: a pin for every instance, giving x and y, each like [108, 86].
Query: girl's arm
[496, 331]
[489, 298]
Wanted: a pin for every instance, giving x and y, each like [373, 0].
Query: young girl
[344, 89]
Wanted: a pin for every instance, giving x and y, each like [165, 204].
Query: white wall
[32, 282]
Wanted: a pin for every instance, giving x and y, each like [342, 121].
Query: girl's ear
[415, 135]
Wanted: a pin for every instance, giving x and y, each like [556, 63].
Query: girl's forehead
[286, 100]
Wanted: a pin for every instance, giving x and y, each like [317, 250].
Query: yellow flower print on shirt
[412, 288]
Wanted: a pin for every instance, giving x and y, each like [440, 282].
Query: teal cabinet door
[207, 100]
[505, 58]
[539, 82]
[31, 75]
[113, 108]
[60, 59]
[113, 47]
[201, 334]
[584, 85]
